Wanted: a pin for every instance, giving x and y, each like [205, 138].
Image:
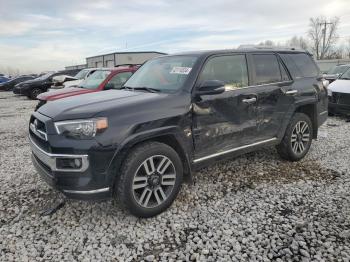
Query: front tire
[297, 138]
[150, 179]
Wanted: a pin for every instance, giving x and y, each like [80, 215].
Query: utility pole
[324, 32]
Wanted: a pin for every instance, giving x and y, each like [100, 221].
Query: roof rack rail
[268, 47]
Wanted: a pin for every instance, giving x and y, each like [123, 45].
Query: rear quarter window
[300, 65]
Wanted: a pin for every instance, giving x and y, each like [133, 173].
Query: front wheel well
[311, 111]
[169, 140]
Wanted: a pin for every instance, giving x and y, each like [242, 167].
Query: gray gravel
[255, 207]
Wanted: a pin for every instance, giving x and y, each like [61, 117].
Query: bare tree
[267, 43]
[298, 42]
[323, 35]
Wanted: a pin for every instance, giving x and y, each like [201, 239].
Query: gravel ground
[252, 208]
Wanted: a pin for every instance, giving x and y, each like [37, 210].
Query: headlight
[82, 129]
[329, 92]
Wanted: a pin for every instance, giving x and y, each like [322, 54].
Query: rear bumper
[75, 184]
[339, 108]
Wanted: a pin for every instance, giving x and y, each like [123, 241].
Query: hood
[72, 83]
[62, 78]
[340, 86]
[64, 92]
[90, 105]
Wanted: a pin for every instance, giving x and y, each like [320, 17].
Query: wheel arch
[170, 137]
[311, 111]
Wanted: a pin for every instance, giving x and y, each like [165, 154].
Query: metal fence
[325, 65]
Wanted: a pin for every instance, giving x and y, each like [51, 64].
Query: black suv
[176, 114]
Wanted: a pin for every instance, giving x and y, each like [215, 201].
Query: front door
[227, 120]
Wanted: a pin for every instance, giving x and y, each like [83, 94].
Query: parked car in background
[33, 88]
[9, 85]
[336, 72]
[176, 114]
[4, 79]
[69, 81]
[339, 95]
[101, 79]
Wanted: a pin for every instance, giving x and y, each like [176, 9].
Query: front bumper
[80, 183]
[20, 90]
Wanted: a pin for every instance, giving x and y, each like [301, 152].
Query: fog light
[68, 163]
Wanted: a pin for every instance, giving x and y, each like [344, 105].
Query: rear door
[271, 83]
[306, 81]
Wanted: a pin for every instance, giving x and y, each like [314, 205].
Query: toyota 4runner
[176, 114]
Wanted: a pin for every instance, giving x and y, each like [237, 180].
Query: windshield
[346, 75]
[95, 79]
[44, 76]
[81, 74]
[164, 74]
[338, 70]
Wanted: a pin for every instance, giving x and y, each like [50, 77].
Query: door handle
[249, 100]
[291, 92]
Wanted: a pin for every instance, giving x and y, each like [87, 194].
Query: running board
[235, 149]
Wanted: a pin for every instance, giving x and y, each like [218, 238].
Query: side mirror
[211, 87]
[109, 86]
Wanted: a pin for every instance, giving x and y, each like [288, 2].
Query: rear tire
[297, 138]
[150, 179]
[34, 93]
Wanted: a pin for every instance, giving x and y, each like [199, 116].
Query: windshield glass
[165, 74]
[346, 75]
[44, 76]
[95, 79]
[338, 70]
[81, 74]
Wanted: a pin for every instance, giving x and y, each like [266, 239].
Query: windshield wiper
[149, 89]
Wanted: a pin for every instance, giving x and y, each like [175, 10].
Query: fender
[184, 141]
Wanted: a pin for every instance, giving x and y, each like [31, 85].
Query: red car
[101, 79]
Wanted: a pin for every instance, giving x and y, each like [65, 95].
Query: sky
[39, 35]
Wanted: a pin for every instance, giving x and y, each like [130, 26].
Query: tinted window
[267, 69]
[232, 69]
[300, 65]
[119, 79]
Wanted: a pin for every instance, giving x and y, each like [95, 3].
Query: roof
[119, 53]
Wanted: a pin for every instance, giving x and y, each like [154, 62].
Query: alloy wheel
[154, 181]
[300, 137]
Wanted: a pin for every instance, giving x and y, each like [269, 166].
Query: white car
[339, 95]
[63, 81]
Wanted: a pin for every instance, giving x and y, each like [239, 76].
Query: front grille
[38, 128]
[340, 98]
[344, 99]
[44, 145]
